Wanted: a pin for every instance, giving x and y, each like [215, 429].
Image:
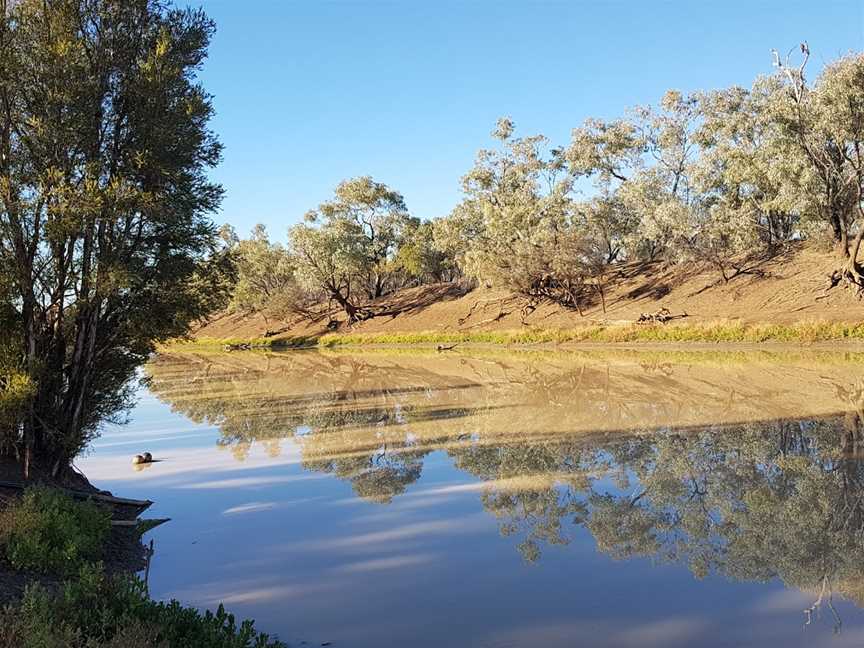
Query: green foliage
[95, 611]
[347, 247]
[819, 128]
[266, 281]
[519, 227]
[708, 177]
[106, 246]
[17, 388]
[419, 258]
[16, 391]
[701, 177]
[49, 532]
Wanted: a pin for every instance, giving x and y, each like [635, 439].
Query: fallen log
[150, 524]
[108, 499]
[659, 317]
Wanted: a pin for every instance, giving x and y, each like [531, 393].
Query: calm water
[507, 499]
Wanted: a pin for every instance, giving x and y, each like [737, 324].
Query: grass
[716, 332]
[299, 342]
[48, 532]
[96, 611]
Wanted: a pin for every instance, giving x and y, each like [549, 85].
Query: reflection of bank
[851, 435]
[253, 397]
[744, 466]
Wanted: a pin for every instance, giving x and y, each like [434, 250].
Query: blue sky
[309, 93]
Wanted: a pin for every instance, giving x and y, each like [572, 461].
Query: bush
[47, 531]
[95, 611]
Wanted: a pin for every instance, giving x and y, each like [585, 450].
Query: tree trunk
[379, 286]
[349, 308]
[850, 271]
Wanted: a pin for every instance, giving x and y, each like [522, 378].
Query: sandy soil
[785, 289]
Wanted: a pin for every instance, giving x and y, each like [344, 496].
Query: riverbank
[699, 333]
[777, 300]
[69, 560]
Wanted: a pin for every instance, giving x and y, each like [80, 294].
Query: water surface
[507, 499]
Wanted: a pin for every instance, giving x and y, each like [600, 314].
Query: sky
[310, 93]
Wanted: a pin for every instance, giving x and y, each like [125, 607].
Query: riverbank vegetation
[97, 611]
[106, 245]
[721, 179]
[721, 332]
[106, 248]
[47, 531]
[72, 602]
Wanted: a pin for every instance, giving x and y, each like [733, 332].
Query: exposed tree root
[850, 275]
[526, 311]
[497, 318]
[481, 305]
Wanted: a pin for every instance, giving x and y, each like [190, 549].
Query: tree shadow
[411, 301]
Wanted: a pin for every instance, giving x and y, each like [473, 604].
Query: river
[506, 498]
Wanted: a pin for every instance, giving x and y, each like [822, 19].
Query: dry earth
[785, 289]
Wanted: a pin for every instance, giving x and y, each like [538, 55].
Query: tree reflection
[755, 502]
[345, 424]
[748, 501]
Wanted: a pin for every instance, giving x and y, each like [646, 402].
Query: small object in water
[145, 458]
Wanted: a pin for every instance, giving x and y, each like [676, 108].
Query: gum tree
[743, 169]
[643, 163]
[266, 282]
[517, 227]
[822, 126]
[347, 246]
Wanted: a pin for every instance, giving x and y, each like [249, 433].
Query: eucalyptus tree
[265, 278]
[645, 162]
[610, 154]
[420, 260]
[822, 125]
[455, 234]
[609, 223]
[346, 247]
[105, 242]
[517, 227]
[744, 169]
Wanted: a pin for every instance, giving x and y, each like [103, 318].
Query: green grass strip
[737, 333]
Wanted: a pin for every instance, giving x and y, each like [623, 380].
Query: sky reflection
[507, 499]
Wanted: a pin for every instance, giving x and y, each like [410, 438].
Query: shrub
[95, 611]
[49, 532]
